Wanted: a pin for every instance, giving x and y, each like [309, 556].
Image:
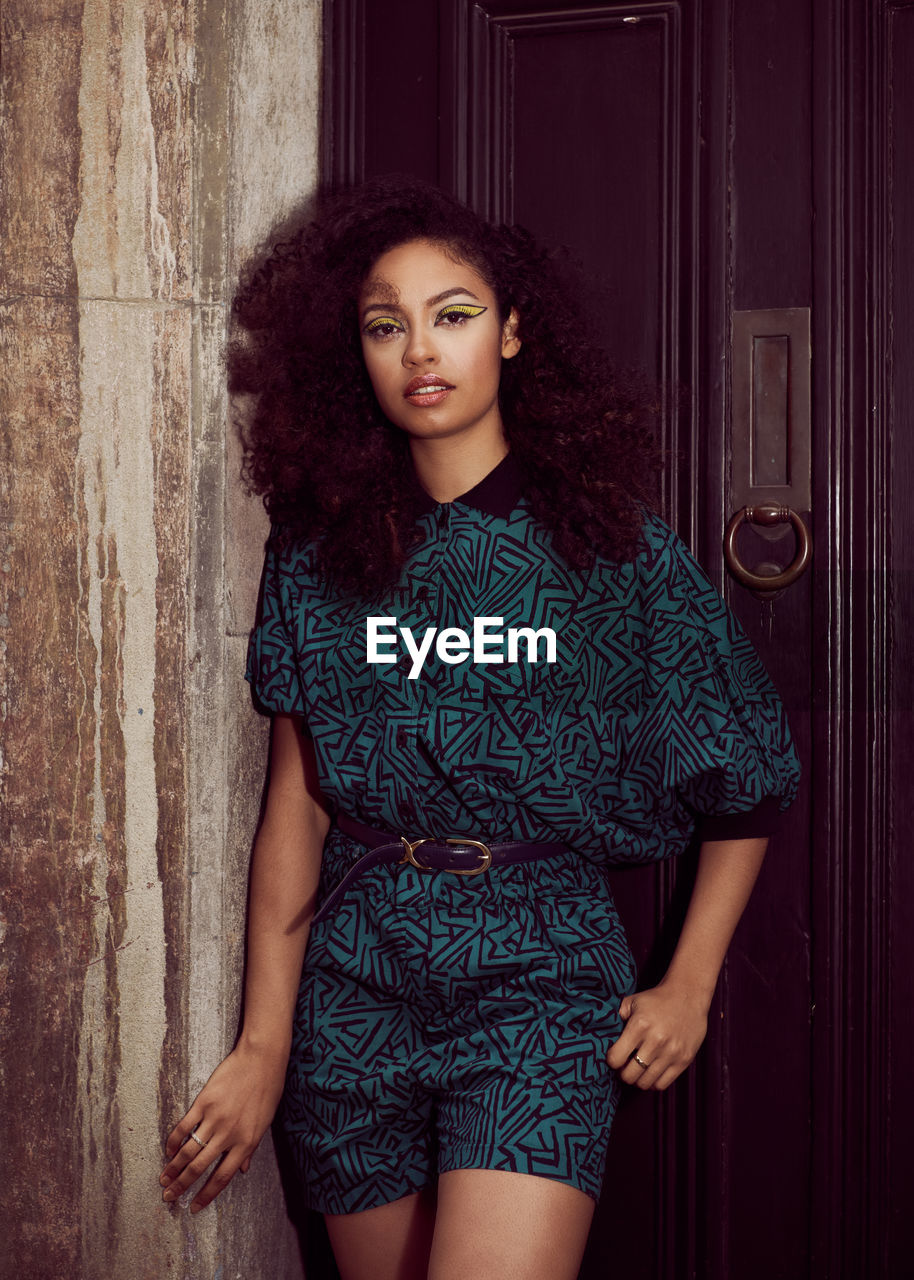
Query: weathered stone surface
[141, 146]
[132, 232]
[274, 74]
[277, 73]
[170, 62]
[247, 756]
[48, 728]
[131, 481]
[39, 145]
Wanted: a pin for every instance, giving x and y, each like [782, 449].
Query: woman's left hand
[665, 1026]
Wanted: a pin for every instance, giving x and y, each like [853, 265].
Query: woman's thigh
[489, 1224]
[390, 1242]
[498, 1225]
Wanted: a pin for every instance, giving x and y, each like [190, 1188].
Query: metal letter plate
[770, 426]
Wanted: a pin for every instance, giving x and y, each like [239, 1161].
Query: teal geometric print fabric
[445, 1023]
[656, 709]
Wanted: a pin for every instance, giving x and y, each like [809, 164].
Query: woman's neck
[446, 468]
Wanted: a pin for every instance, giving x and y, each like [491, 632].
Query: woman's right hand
[229, 1117]
[233, 1109]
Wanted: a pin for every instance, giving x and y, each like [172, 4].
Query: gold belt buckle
[410, 847]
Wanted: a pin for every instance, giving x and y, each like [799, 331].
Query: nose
[421, 349]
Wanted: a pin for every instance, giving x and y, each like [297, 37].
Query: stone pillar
[145, 148]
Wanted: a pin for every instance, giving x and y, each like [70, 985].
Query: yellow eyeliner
[455, 309]
[379, 320]
[461, 309]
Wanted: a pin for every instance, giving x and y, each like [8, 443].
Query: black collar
[497, 494]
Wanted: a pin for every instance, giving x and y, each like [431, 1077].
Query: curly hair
[329, 464]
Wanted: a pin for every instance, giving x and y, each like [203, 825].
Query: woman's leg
[490, 1224]
[496, 1225]
[391, 1242]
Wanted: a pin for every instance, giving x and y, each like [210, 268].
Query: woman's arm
[666, 1024]
[236, 1105]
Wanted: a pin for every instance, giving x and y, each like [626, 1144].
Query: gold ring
[639, 1061]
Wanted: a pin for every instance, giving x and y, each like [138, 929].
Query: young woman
[493, 672]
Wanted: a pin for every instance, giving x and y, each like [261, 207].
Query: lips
[427, 390]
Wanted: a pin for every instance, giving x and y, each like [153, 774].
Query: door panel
[679, 148]
[894, 308]
[612, 185]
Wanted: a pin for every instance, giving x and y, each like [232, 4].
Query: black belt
[458, 854]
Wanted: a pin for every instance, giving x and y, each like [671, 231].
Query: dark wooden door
[704, 158]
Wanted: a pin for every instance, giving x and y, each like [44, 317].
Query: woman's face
[433, 343]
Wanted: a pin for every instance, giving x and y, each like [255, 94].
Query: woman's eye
[458, 313]
[383, 327]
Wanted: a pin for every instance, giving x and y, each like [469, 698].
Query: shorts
[449, 1022]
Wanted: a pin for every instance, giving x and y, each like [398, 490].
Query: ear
[510, 342]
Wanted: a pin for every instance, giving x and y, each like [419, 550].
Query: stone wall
[145, 149]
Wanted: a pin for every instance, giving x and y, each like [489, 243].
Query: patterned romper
[449, 1022]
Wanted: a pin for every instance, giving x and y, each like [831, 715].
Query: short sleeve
[272, 667]
[761, 820]
[727, 762]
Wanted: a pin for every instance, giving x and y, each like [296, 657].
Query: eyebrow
[379, 286]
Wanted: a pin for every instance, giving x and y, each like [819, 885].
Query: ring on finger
[640, 1061]
[199, 1141]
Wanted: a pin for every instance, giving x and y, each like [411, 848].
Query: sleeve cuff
[762, 820]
